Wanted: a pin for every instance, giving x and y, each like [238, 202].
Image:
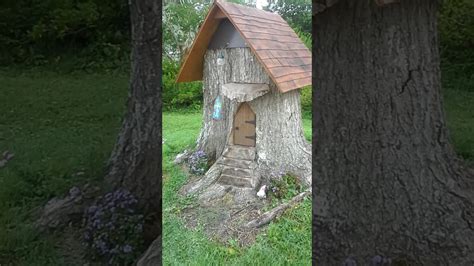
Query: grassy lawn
[460, 115]
[286, 242]
[57, 126]
[60, 125]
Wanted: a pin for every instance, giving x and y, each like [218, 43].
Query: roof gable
[276, 46]
[226, 36]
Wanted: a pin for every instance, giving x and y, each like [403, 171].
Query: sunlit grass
[286, 242]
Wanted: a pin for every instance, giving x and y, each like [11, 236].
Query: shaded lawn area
[459, 109]
[57, 126]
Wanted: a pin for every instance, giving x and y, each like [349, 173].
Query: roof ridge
[248, 7]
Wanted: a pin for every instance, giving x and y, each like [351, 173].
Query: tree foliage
[181, 22]
[456, 33]
[296, 12]
[96, 34]
[179, 95]
[33, 30]
[456, 25]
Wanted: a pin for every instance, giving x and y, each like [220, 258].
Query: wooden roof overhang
[274, 43]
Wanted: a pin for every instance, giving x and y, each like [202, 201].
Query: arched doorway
[244, 126]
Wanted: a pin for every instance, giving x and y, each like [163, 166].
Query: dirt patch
[71, 248]
[222, 220]
[226, 212]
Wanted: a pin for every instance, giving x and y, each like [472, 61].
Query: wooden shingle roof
[276, 46]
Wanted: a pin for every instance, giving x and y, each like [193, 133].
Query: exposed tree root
[268, 216]
[152, 255]
[59, 212]
[6, 156]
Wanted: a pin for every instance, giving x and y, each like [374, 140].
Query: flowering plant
[113, 228]
[198, 162]
[284, 185]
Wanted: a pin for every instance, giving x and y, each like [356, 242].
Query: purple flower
[112, 216]
[97, 224]
[101, 246]
[127, 248]
[114, 251]
[198, 162]
[92, 209]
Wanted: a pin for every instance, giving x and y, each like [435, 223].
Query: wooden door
[244, 126]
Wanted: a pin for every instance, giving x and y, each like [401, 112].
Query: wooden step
[239, 172]
[237, 163]
[240, 152]
[235, 181]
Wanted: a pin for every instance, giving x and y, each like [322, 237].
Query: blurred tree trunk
[387, 181]
[135, 163]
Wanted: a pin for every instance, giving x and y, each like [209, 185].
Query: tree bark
[387, 181]
[135, 163]
[280, 143]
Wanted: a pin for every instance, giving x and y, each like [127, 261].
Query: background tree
[387, 181]
[45, 32]
[296, 12]
[181, 21]
[135, 163]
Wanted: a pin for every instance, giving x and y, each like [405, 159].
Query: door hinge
[253, 122]
[254, 137]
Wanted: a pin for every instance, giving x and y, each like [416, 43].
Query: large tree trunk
[135, 163]
[280, 144]
[240, 66]
[387, 180]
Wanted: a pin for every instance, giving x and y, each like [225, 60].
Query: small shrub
[179, 95]
[285, 186]
[278, 189]
[306, 100]
[198, 162]
[113, 230]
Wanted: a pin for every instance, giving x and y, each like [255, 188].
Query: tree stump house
[252, 65]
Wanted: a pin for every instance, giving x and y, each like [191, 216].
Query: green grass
[458, 92]
[61, 124]
[57, 125]
[459, 105]
[287, 241]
